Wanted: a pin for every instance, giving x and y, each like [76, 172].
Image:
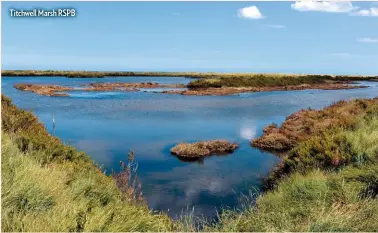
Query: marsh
[107, 125]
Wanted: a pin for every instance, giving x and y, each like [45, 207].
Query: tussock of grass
[203, 148]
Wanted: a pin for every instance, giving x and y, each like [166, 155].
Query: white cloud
[373, 12]
[324, 6]
[250, 12]
[368, 40]
[277, 26]
[334, 7]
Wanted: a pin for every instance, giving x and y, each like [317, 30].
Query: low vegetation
[278, 80]
[203, 148]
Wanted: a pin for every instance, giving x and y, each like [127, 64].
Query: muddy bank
[308, 123]
[201, 149]
[56, 90]
[236, 90]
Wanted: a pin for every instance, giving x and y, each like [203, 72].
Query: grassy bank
[48, 186]
[327, 182]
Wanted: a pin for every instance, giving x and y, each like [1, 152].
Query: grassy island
[56, 90]
[233, 84]
[204, 148]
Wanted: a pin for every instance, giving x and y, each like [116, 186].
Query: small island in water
[201, 149]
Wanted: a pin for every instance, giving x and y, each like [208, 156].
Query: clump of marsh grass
[203, 148]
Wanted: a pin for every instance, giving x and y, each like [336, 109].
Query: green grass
[316, 201]
[48, 186]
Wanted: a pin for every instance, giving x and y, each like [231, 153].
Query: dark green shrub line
[208, 75]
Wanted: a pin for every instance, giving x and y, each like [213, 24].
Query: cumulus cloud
[368, 40]
[277, 26]
[372, 12]
[250, 12]
[334, 7]
[324, 6]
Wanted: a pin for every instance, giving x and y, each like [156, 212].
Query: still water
[108, 125]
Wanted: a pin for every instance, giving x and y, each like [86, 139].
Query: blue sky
[294, 37]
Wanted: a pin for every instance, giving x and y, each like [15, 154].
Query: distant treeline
[101, 74]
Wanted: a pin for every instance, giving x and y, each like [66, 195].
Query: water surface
[107, 125]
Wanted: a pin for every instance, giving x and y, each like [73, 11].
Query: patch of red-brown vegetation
[236, 90]
[41, 89]
[307, 123]
[54, 90]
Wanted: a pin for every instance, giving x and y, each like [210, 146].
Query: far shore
[103, 74]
